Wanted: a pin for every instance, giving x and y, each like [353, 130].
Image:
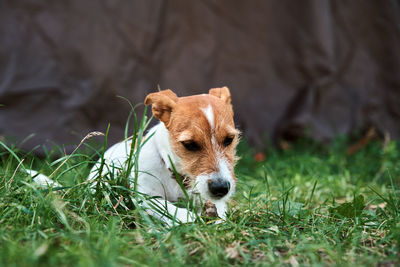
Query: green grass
[308, 205]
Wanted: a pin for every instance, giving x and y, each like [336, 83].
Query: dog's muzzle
[218, 187]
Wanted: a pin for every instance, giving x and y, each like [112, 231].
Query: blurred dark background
[313, 68]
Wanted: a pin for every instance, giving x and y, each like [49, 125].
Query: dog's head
[202, 137]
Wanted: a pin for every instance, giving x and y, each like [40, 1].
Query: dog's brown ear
[223, 93]
[162, 103]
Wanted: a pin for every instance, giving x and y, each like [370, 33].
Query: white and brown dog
[197, 133]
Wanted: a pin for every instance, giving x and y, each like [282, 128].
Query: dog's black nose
[218, 187]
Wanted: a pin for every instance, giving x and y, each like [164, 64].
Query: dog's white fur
[155, 177]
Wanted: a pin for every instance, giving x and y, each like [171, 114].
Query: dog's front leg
[167, 212]
[221, 209]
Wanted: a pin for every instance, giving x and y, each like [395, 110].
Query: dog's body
[195, 133]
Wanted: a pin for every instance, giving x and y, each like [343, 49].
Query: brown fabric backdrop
[312, 67]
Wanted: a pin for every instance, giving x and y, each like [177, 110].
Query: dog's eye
[191, 145]
[228, 140]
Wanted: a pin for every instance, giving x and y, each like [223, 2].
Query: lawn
[305, 205]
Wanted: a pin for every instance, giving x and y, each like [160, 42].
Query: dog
[195, 141]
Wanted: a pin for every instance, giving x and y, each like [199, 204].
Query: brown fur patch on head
[189, 121]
